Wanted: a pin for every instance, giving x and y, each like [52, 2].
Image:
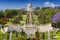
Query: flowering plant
[56, 20]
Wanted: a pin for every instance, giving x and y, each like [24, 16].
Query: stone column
[10, 35]
[48, 35]
[54, 30]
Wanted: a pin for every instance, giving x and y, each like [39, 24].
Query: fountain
[30, 28]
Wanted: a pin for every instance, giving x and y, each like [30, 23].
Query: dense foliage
[40, 15]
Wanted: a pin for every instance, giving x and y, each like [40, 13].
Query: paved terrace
[41, 28]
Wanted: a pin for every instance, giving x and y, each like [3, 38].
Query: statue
[29, 13]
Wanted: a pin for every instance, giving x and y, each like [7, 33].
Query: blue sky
[16, 4]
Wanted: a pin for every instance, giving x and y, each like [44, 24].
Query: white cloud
[49, 4]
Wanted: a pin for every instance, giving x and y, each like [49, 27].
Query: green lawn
[58, 34]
